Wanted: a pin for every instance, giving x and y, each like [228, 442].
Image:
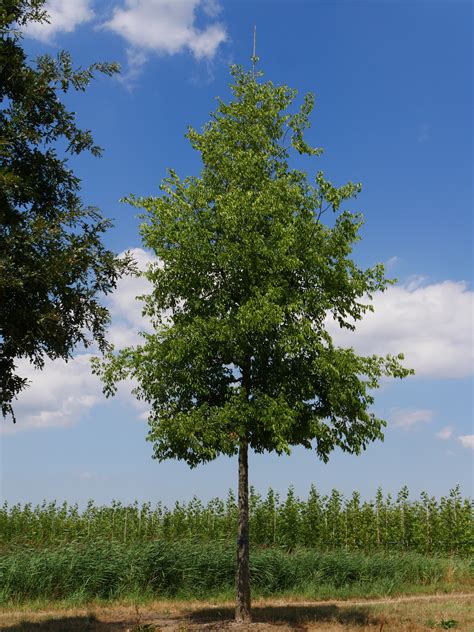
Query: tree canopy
[53, 264]
[246, 276]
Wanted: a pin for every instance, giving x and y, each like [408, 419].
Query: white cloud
[123, 335]
[64, 16]
[430, 324]
[445, 433]
[414, 282]
[125, 309]
[62, 392]
[122, 302]
[57, 395]
[467, 441]
[407, 418]
[212, 8]
[136, 59]
[166, 27]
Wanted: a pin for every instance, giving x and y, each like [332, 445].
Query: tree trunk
[242, 610]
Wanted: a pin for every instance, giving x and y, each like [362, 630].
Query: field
[323, 563]
[325, 522]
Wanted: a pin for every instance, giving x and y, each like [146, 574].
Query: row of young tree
[325, 522]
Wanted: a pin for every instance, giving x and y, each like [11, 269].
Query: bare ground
[401, 614]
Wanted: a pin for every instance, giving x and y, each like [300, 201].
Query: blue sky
[393, 85]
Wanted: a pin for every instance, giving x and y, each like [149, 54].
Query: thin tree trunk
[242, 610]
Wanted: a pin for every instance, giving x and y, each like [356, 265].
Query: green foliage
[53, 265]
[247, 275]
[448, 624]
[322, 523]
[113, 570]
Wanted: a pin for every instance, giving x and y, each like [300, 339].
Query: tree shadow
[298, 616]
[65, 624]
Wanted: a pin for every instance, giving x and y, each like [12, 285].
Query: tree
[53, 265]
[246, 276]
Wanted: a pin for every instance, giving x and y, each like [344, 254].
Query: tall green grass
[111, 570]
[326, 522]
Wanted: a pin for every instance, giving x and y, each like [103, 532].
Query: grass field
[110, 571]
[402, 614]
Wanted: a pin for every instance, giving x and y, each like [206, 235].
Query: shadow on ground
[62, 624]
[296, 616]
[292, 617]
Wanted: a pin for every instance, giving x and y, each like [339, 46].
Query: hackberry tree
[247, 273]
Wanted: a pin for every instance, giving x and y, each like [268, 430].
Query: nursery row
[109, 570]
[326, 522]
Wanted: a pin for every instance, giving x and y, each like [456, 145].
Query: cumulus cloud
[467, 441]
[445, 433]
[57, 395]
[62, 392]
[212, 8]
[408, 418]
[167, 27]
[125, 310]
[64, 17]
[431, 324]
